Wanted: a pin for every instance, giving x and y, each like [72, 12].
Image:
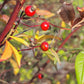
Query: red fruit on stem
[44, 46]
[45, 26]
[29, 11]
[40, 76]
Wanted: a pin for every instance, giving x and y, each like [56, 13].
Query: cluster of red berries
[30, 11]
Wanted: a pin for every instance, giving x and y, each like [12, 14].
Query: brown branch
[5, 1]
[4, 82]
[11, 20]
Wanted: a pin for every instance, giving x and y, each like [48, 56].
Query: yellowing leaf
[48, 16]
[45, 13]
[17, 56]
[56, 55]
[50, 57]
[63, 24]
[58, 82]
[7, 52]
[20, 40]
[51, 41]
[9, 49]
[43, 37]
[15, 67]
[24, 35]
[37, 34]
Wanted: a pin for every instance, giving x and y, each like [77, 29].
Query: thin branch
[44, 20]
[29, 25]
[5, 1]
[40, 69]
[5, 71]
[59, 27]
[78, 26]
[29, 48]
[11, 20]
[4, 82]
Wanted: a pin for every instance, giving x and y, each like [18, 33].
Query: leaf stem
[29, 25]
[29, 48]
[66, 39]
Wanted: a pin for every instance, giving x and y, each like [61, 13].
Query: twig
[29, 25]
[11, 20]
[44, 20]
[77, 26]
[5, 1]
[41, 68]
[29, 48]
[4, 82]
[5, 71]
[60, 27]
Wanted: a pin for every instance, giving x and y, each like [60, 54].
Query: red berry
[44, 46]
[45, 26]
[29, 11]
[40, 76]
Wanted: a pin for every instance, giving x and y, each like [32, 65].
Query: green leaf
[61, 52]
[1, 1]
[29, 73]
[80, 2]
[79, 67]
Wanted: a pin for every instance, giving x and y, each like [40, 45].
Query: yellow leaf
[17, 56]
[20, 40]
[63, 24]
[58, 82]
[51, 15]
[26, 37]
[67, 76]
[44, 13]
[37, 34]
[1, 50]
[51, 41]
[7, 52]
[56, 55]
[15, 67]
[44, 37]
